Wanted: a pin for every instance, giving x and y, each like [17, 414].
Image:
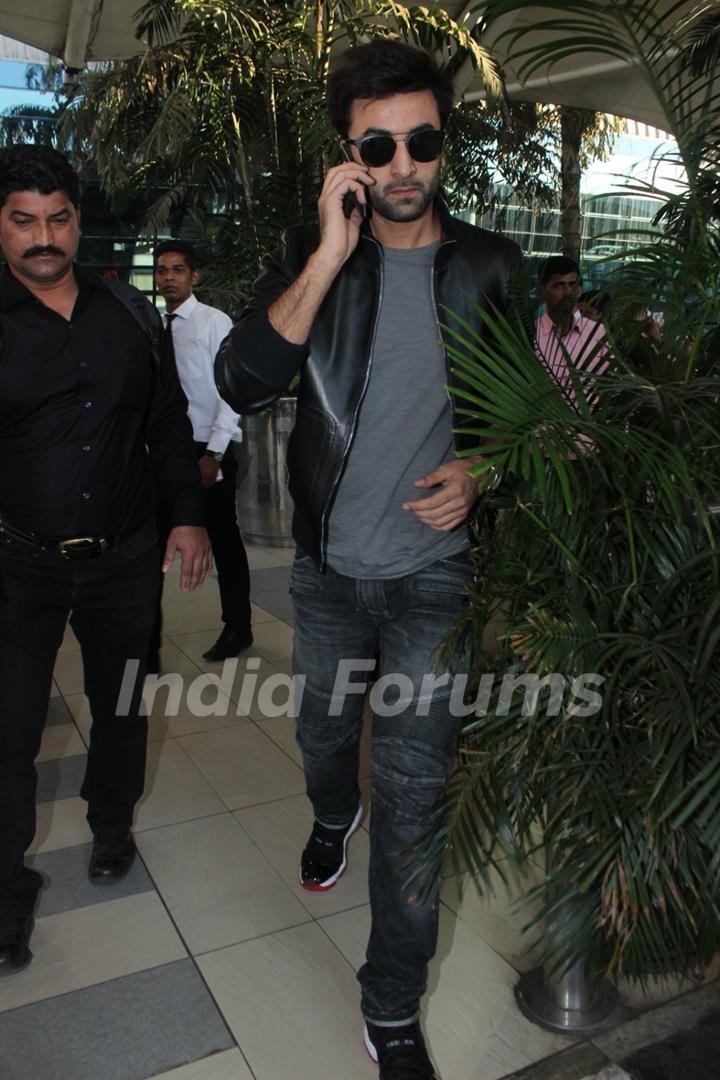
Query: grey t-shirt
[404, 431]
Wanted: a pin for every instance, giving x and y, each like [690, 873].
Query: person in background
[357, 306]
[562, 332]
[87, 411]
[197, 331]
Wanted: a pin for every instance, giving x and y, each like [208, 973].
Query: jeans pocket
[305, 578]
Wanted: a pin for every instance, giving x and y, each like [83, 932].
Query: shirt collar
[186, 308]
[12, 290]
[548, 326]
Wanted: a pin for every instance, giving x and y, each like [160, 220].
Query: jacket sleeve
[169, 438]
[255, 364]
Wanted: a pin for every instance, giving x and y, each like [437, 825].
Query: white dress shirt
[197, 332]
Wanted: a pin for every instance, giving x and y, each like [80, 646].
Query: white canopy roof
[79, 31]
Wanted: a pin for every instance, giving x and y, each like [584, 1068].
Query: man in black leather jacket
[360, 308]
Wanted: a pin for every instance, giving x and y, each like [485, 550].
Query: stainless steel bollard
[572, 1000]
[264, 506]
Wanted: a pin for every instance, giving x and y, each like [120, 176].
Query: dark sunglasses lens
[425, 145]
[377, 150]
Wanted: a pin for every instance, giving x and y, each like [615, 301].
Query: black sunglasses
[377, 150]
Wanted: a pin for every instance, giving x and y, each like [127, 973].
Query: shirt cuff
[218, 444]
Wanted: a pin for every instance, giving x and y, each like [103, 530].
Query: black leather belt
[76, 547]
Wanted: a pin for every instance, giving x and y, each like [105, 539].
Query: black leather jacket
[255, 364]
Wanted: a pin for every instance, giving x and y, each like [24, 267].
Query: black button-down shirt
[83, 411]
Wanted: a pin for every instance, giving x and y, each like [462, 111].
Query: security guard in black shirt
[86, 412]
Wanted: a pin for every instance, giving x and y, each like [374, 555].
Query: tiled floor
[209, 962]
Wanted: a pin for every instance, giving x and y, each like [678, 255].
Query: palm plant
[598, 544]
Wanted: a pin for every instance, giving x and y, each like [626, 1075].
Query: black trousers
[228, 549]
[111, 602]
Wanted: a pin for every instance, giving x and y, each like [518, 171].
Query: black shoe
[15, 931]
[325, 857]
[112, 856]
[230, 643]
[400, 1052]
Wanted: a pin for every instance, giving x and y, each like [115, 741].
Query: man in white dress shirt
[197, 331]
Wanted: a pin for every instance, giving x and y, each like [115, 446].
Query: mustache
[47, 249]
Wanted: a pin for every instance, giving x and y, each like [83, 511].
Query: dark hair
[558, 264]
[182, 247]
[380, 69]
[37, 168]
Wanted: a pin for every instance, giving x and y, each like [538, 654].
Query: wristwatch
[215, 454]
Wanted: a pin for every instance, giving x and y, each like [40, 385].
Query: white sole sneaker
[373, 1054]
[329, 882]
[369, 1046]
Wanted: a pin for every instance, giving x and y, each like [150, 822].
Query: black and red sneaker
[400, 1052]
[325, 856]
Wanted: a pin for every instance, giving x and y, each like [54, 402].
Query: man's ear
[195, 277]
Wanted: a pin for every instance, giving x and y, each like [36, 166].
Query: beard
[410, 208]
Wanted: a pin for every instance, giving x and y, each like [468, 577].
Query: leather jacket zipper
[433, 280]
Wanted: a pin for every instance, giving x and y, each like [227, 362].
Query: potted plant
[600, 547]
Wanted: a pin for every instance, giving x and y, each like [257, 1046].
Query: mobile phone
[351, 202]
[350, 199]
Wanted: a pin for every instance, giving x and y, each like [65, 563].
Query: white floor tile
[68, 673]
[60, 740]
[243, 766]
[92, 945]
[197, 705]
[657, 991]
[292, 1003]
[218, 887]
[188, 618]
[60, 824]
[69, 640]
[175, 659]
[79, 708]
[274, 640]
[174, 789]
[281, 729]
[194, 644]
[260, 558]
[473, 1025]
[259, 614]
[227, 1065]
[498, 919]
[281, 830]
[287, 554]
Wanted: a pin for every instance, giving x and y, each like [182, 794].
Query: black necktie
[167, 346]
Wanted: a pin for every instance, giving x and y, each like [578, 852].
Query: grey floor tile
[694, 1053]
[573, 1064]
[67, 885]
[128, 1029]
[269, 579]
[58, 712]
[60, 778]
[278, 602]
